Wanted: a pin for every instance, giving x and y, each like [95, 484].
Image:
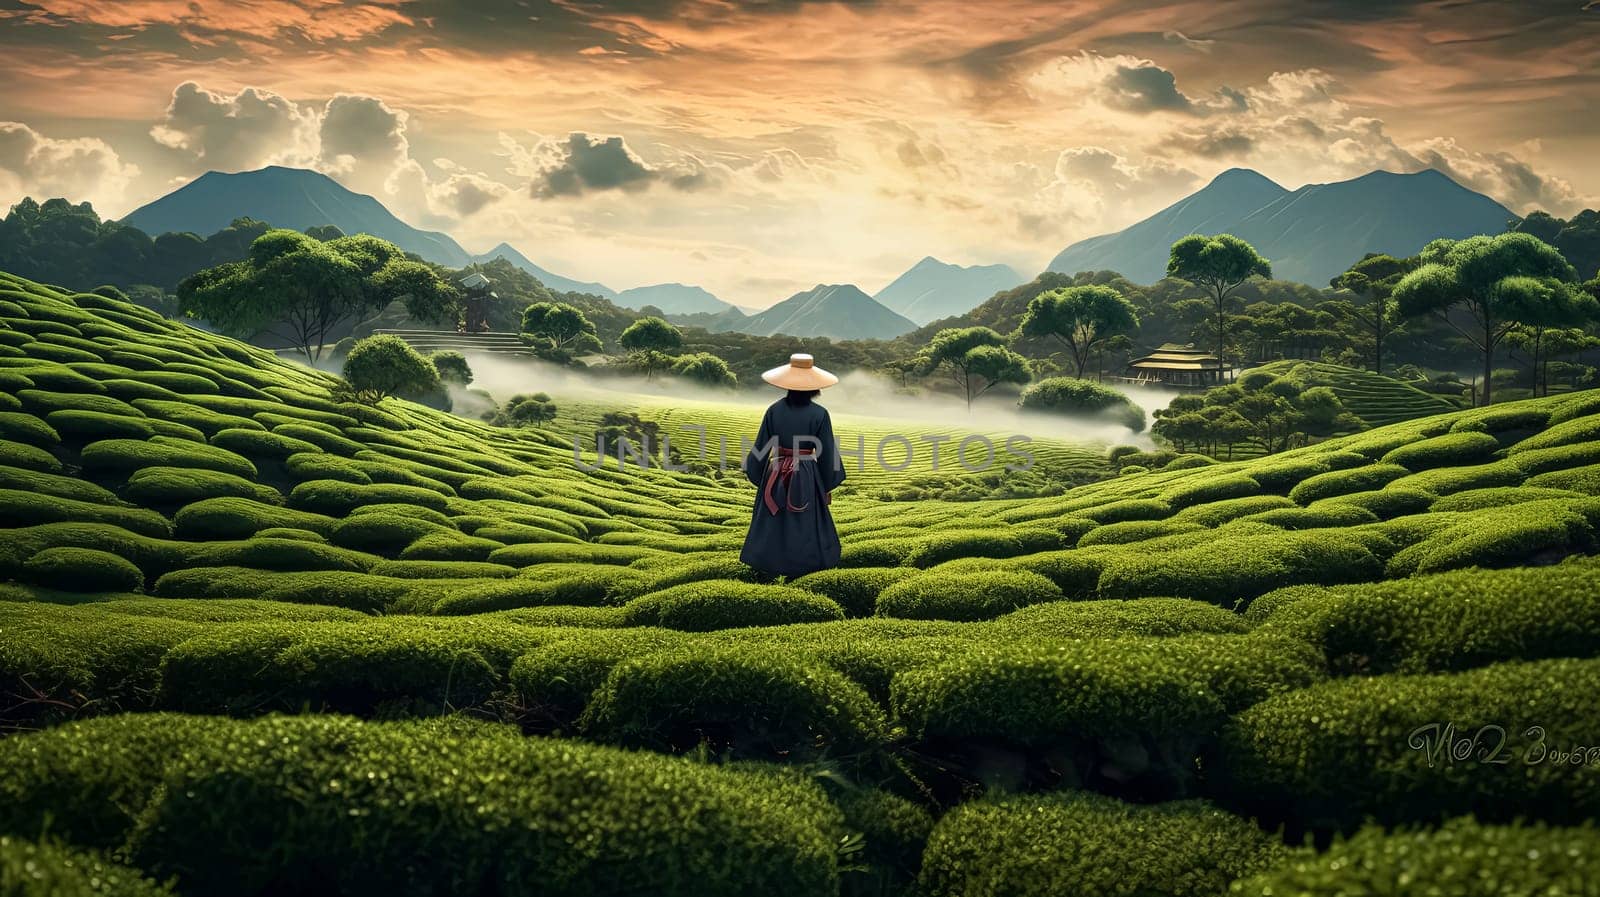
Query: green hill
[1374, 398]
[417, 654]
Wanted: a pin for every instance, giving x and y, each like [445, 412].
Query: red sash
[782, 468]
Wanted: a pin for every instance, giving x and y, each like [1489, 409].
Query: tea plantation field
[255, 640]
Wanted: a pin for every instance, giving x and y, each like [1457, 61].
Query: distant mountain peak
[832, 310]
[932, 289]
[1310, 234]
[295, 198]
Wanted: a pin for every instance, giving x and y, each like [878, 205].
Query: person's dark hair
[799, 398]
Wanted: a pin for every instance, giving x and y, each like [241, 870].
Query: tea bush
[745, 701]
[1344, 482]
[337, 499]
[240, 518]
[965, 596]
[1462, 857]
[726, 604]
[1447, 480]
[261, 444]
[27, 509]
[854, 589]
[44, 869]
[82, 570]
[1049, 845]
[160, 487]
[124, 456]
[87, 426]
[1341, 751]
[1231, 570]
[1450, 450]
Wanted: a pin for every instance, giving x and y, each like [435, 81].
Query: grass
[453, 627]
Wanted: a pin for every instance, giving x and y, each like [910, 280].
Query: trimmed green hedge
[1107, 619]
[1344, 482]
[43, 483]
[1127, 509]
[86, 426]
[123, 456]
[745, 701]
[1387, 503]
[27, 509]
[554, 683]
[205, 420]
[854, 589]
[260, 444]
[1230, 569]
[1061, 844]
[1336, 753]
[1037, 692]
[1450, 450]
[41, 401]
[1451, 621]
[16, 426]
[540, 817]
[450, 546]
[1201, 489]
[1327, 513]
[82, 570]
[1447, 480]
[381, 533]
[1135, 531]
[337, 499]
[442, 570]
[241, 518]
[323, 439]
[17, 454]
[965, 596]
[161, 487]
[334, 588]
[553, 584]
[728, 604]
[319, 466]
[1507, 536]
[29, 869]
[1566, 432]
[1499, 497]
[1462, 858]
[1584, 479]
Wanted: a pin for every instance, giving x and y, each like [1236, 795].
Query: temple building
[1183, 367]
[478, 295]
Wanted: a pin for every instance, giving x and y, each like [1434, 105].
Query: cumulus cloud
[1145, 88]
[583, 164]
[1123, 82]
[362, 135]
[1502, 176]
[32, 164]
[250, 129]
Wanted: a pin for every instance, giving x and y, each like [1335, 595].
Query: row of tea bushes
[445, 807]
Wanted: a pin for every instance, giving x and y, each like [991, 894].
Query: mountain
[549, 279]
[287, 197]
[1139, 252]
[1310, 235]
[836, 311]
[673, 299]
[932, 289]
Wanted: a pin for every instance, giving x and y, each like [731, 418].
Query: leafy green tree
[386, 365]
[976, 359]
[1082, 318]
[452, 367]
[309, 287]
[651, 341]
[1219, 265]
[1072, 396]
[1500, 282]
[1270, 412]
[565, 326]
[1372, 281]
[705, 369]
[527, 411]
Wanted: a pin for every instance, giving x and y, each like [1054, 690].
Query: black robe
[793, 542]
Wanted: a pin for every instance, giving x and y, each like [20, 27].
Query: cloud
[584, 164]
[250, 129]
[1502, 176]
[82, 168]
[465, 194]
[361, 134]
[1122, 82]
[1145, 88]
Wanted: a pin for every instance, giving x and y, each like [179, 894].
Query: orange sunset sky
[757, 147]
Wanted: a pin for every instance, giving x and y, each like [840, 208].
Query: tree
[1219, 265]
[310, 287]
[1272, 412]
[1501, 282]
[526, 411]
[976, 358]
[1072, 396]
[1372, 280]
[706, 369]
[566, 327]
[1082, 318]
[452, 367]
[386, 365]
[650, 340]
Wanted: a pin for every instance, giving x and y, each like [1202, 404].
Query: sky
[759, 147]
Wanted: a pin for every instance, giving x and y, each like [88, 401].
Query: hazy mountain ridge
[1310, 235]
[932, 289]
[292, 198]
[836, 311]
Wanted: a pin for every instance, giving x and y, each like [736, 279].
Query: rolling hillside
[549, 279]
[1309, 235]
[418, 654]
[674, 299]
[1374, 398]
[294, 198]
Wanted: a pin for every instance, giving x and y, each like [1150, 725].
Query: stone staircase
[426, 341]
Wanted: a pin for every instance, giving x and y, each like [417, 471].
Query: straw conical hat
[800, 373]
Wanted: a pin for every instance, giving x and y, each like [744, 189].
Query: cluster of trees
[1268, 412]
[560, 332]
[306, 289]
[525, 410]
[68, 244]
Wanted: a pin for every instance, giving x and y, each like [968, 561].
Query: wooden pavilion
[1180, 367]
